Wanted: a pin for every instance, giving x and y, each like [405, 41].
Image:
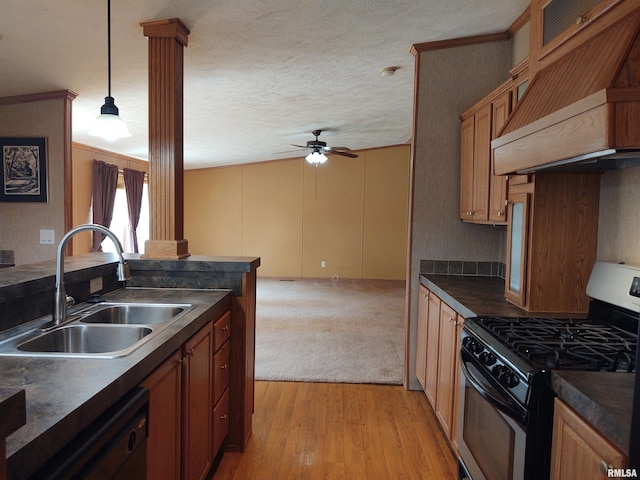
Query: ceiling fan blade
[330, 149]
[299, 146]
[287, 151]
[345, 154]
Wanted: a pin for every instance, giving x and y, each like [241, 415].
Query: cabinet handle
[604, 467]
[223, 417]
[225, 327]
[223, 367]
[581, 19]
[500, 213]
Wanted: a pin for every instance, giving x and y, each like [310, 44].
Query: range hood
[581, 112]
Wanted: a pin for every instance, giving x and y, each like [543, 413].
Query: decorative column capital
[168, 28]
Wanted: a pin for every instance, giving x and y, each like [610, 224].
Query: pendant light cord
[109, 43]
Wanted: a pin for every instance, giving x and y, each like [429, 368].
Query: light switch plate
[47, 237]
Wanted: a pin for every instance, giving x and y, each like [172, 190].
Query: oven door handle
[485, 388]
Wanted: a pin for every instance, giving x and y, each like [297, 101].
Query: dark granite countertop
[476, 296]
[604, 399]
[65, 395]
[12, 411]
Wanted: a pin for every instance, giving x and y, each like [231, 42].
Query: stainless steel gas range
[506, 406]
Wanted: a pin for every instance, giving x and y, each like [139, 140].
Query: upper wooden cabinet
[559, 26]
[482, 194]
[552, 241]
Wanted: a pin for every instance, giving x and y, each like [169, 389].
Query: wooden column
[167, 39]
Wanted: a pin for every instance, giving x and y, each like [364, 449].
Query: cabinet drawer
[220, 371]
[221, 330]
[220, 421]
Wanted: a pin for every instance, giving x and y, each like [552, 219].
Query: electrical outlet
[634, 291]
[47, 237]
[323, 264]
[95, 284]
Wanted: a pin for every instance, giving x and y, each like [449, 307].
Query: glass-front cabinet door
[517, 232]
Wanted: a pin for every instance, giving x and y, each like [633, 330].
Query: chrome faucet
[60, 299]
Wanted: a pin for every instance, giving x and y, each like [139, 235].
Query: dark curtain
[133, 183]
[105, 183]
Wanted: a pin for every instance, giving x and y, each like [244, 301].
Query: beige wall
[349, 213]
[82, 161]
[20, 223]
[619, 221]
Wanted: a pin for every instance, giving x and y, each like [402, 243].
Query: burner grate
[566, 344]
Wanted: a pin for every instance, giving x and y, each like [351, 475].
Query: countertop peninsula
[65, 395]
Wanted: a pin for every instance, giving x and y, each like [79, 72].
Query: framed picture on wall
[23, 177]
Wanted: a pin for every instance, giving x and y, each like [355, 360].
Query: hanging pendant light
[108, 124]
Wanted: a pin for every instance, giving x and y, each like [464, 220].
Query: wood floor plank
[311, 431]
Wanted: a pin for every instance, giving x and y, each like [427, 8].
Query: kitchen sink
[101, 330]
[83, 339]
[127, 314]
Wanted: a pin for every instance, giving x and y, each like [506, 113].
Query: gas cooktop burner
[566, 344]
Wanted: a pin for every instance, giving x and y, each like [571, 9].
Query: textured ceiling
[259, 74]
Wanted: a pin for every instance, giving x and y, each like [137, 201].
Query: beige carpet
[323, 330]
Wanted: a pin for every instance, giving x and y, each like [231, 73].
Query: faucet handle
[70, 301]
[123, 272]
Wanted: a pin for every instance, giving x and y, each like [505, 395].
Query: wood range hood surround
[581, 112]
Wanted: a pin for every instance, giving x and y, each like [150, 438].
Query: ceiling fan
[319, 148]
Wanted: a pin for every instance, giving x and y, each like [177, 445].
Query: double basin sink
[102, 330]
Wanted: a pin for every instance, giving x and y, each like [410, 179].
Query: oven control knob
[511, 380]
[505, 376]
[487, 358]
[473, 345]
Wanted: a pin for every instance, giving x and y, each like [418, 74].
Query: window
[120, 221]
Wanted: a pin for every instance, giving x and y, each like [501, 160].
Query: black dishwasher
[113, 447]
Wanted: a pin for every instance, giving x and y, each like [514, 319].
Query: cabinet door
[498, 183]
[475, 155]
[433, 329]
[466, 168]
[421, 340]
[578, 451]
[197, 401]
[481, 163]
[446, 367]
[517, 233]
[165, 399]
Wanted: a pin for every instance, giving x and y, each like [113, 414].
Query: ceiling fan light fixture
[108, 124]
[316, 157]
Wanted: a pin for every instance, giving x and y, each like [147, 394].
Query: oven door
[491, 436]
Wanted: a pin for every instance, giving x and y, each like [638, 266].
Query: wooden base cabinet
[220, 405]
[186, 393]
[438, 344]
[164, 451]
[421, 343]
[197, 386]
[579, 451]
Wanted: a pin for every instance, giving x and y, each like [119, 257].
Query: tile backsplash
[462, 267]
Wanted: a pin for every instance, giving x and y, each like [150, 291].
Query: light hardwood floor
[340, 431]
